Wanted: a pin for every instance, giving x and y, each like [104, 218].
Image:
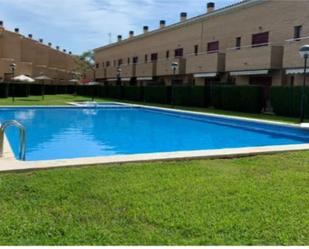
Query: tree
[85, 63]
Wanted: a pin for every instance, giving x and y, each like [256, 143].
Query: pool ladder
[22, 137]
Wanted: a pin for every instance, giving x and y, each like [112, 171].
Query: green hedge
[286, 101]
[157, 94]
[132, 93]
[4, 90]
[238, 98]
[114, 92]
[190, 96]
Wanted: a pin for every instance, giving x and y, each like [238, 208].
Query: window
[196, 49]
[298, 32]
[120, 62]
[260, 40]
[213, 47]
[103, 64]
[146, 58]
[179, 52]
[135, 60]
[97, 65]
[108, 64]
[154, 57]
[238, 43]
[129, 60]
[167, 54]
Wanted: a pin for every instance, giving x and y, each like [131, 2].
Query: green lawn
[260, 200]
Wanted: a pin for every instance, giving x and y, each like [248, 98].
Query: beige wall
[243, 20]
[33, 58]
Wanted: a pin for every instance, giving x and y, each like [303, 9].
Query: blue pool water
[63, 133]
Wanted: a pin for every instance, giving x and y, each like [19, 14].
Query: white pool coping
[9, 163]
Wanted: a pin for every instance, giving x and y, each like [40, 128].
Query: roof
[189, 21]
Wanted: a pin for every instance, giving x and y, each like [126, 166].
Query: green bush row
[25, 90]
[226, 97]
[286, 101]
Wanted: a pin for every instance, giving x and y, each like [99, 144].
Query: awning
[23, 78]
[144, 78]
[296, 71]
[253, 72]
[205, 75]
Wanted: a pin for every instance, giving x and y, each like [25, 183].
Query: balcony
[164, 67]
[127, 70]
[100, 73]
[146, 69]
[205, 63]
[111, 72]
[291, 58]
[257, 58]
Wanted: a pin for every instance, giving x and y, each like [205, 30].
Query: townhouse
[251, 42]
[33, 58]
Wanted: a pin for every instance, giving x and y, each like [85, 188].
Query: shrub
[132, 93]
[238, 98]
[157, 94]
[190, 95]
[286, 101]
[114, 92]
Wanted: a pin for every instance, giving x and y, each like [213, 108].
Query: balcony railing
[128, 70]
[164, 66]
[254, 58]
[111, 72]
[205, 63]
[146, 69]
[291, 58]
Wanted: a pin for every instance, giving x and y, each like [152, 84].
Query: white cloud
[79, 25]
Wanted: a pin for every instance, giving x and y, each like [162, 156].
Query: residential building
[251, 42]
[33, 58]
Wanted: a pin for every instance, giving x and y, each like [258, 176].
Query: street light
[304, 53]
[119, 71]
[13, 69]
[174, 67]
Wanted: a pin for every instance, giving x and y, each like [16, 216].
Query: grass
[262, 200]
[64, 99]
[37, 100]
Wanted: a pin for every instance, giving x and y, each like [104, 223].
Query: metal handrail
[22, 137]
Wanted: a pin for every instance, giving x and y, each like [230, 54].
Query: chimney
[16, 30]
[57, 47]
[119, 38]
[41, 40]
[162, 24]
[1, 24]
[145, 29]
[30, 36]
[210, 7]
[50, 44]
[183, 16]
[131, 34]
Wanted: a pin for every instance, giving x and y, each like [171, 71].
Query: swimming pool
[111, 130]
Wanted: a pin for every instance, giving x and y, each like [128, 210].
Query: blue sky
[80, 25]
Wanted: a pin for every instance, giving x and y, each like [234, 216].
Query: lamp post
[304, 53]
[119, 71]
[13, 69]
[174, 67]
